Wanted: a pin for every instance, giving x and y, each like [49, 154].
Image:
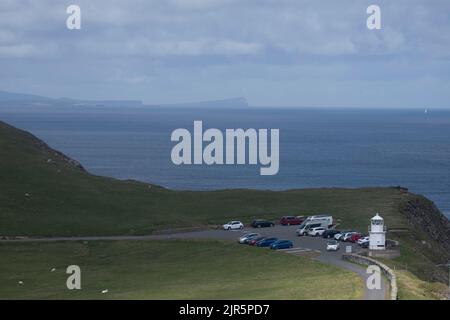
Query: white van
[314, 222]
[322, 217]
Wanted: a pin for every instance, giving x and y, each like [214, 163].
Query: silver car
[248, 236]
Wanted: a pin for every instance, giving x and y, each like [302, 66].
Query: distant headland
[14, 98]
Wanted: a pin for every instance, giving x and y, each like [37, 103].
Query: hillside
[44, 193]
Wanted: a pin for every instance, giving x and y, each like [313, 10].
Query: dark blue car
[266, 242]
[282, 244]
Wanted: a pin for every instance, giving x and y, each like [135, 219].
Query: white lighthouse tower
[377, 233]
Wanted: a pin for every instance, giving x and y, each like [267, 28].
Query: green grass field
[169, 270]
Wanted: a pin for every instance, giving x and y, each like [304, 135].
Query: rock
[426, 221]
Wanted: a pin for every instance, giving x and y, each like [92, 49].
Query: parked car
[233, 225]
[290, 220]
[355, 237]
[266, 242]
[365, 244]
[248, 236]
[348, 236]
[340, 236]
[362, 240]
[330, 233]
[282, 244]
[316, 231]
[262, 223]
[253, 241]
[332, 245]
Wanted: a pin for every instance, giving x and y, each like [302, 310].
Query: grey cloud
[216, 48]
[234, 27]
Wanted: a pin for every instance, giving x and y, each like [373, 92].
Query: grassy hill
[44, 193]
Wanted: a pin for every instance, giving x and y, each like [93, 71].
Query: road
[301, 245]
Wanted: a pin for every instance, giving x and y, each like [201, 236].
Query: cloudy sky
[273, 52]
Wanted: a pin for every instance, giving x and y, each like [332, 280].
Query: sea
[319, 147]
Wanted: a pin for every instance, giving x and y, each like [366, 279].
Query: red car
[290, 220]
[355, 237]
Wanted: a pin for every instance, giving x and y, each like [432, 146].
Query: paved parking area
[302, 245]
[317, 244]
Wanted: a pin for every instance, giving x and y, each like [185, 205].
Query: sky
[305, 53]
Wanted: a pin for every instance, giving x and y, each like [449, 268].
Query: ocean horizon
[319, 147]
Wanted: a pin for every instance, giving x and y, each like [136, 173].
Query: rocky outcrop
[430, 236]
[422, 214]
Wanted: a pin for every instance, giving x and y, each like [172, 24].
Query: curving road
[301, 245]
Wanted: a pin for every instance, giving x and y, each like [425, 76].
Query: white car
[337, 236]
[347, 236]
[332, 245]
[318, 231]
[363, 240]
[233, 225]
[248, 236]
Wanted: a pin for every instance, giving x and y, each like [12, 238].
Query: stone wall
[384, 268]
[386, 254]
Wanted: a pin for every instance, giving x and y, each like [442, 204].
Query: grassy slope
[41, 198]
[152, 270]
[412, 288]
[44, 198]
